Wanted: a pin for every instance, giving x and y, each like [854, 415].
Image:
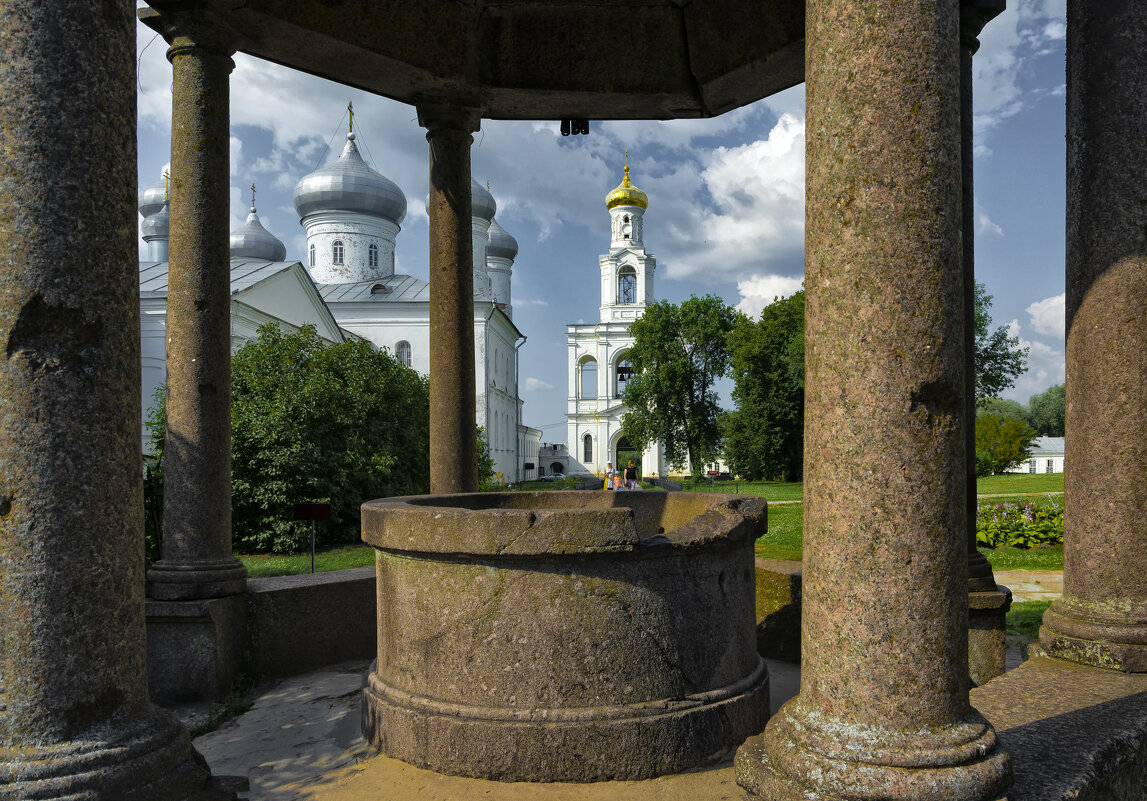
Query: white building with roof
[597, 363]
[1046, 457]
[352, 216]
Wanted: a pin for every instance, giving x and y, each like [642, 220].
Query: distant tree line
[679, 352]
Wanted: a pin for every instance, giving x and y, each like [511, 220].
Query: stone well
[564, 636]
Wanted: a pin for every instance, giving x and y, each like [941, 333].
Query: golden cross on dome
[166, 187]
[252, 195]
[350, 110]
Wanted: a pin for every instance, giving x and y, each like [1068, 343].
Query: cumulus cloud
[530, 302]
[754, 221]
[534, 384]
[761, 290]
[1045, 365]
[1047, 316]
[1027, 30]
[984, 223]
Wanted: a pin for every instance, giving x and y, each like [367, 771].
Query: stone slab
[301, 623]
[194, 648]
[1073, 731]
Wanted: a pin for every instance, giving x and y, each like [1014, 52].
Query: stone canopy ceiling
[528, 59]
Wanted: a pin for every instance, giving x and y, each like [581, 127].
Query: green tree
[677, 354]
[1001, 407]
[764, 435]
[485, 463]
[318, 422]
[999, 357]
[1046, 411]
[1001, 443]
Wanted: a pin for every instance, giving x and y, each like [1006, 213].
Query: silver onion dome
[156, 225]
[154, 198]
[349, 184]
[251, 240]
[501, 243]
[482, 202]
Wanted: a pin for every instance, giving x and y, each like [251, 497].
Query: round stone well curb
[564, 636]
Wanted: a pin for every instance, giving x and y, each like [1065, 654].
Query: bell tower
[626, 270]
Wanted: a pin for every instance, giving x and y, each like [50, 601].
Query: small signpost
[312, 512]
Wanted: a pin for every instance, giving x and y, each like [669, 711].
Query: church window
[588, 448]
[627, 285]
[624, 372]
[312, 254]
[372, 256]
[402, 353]
[587, 379]
[337, 251]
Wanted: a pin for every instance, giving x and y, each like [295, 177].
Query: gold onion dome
[626, 195]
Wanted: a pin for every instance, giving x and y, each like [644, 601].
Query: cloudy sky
[726, 208]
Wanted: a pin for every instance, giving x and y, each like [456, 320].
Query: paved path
[301, 742]
[1032, 585]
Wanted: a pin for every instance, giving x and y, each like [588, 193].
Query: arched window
[372, 256]
[587, 447]
[312, 254]
[627, 285]
[402, 352]
[587, 378]
[337, 251]
[624, 371]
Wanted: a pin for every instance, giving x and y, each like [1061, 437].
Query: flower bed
[1019, 525]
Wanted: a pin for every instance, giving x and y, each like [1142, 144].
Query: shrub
[317, 422]
[1019, 525]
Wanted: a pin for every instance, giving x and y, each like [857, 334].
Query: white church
[598, 368]
[352, 215]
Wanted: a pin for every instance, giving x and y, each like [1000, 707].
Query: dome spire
[626, 194]
[350, 112]
[251, 240]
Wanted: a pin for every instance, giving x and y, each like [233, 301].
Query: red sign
[312, 511]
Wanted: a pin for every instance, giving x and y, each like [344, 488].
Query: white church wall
[356, 232]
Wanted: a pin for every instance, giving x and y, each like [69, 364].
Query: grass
[1025, 618]
[262, 565]
[783, 540]
[1020, 483]
[769, 490]
[1043, 558]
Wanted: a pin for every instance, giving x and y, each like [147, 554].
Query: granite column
[988, 603]
[75, 721]
[196, 561]
[1102, 617]
[453, 406]
[883, 710]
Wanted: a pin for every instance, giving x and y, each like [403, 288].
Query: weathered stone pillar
[453, 409]
[883, 710]
[196, 560]
[75, 721]
[1102, 616]
[196, 606]
[988, 604]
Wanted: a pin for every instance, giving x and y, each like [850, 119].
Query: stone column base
[194, 648]
[168, 581]
[987, 625]
[802, 756]
[1093, 636]
[152, 760]
[589, 744]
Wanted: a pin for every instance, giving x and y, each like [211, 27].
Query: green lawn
[263, 565]
[769, 490]
[1043, 558]
[1025, 617]
[1020, 483]
[783, 540]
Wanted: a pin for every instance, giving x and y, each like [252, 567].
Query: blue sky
[726, 204]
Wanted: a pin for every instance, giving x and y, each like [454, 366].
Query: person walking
[630, 476]
[609, 474]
